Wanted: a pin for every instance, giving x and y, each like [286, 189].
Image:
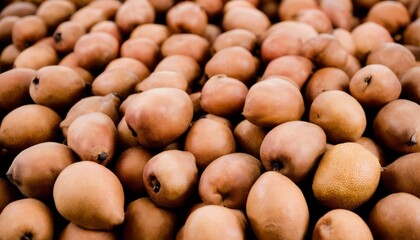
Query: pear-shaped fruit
[36, 57]
[14, 91]
[249, 137]
[170, 178]
[215, 222]
[89, 195]
[400, 134]
[396, 216]
[402, 174]
[9, 193]
[28, 125]
[57, 87]
[276, 208]
[120, 81]
[35, 169]
[227, 180]
[346, 177]
[341, 224]
[159, 116]
[108, 104]
[93, 137]
[145, 220]
[209, 139]
[293, 148]
[26, 218]
[72, 231]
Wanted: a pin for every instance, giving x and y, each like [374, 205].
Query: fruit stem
[412, 140]
[102, 156]
[26, 236]
[35, 81]
[156, 185]
[57, 37]
[277, 166]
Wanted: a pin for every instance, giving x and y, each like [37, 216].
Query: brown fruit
[400, 134]
[275, 205]
[66, 35]
[8, 57]
[26, 219]
[156, 32]
[19, 9]
[393, 15]
[109, 27]
[28, 30]
[345, 38]
[297, 68]
[109, 7]
[28, 125]
[182, 64]
[209, 139]
[36, 57]
[374, 148]
[72, 231]
[249, 18]
[340, 116]
[14, 91]
[174, 114]
[249, 137]
[170, 178]
[315, 17]
[126, 139]
[226, 181]
[145, 220]
[55, 12]
[235, 62]
[93, 137]
[367, 36]
[325, 79]
[223, 96]
[119, 81]
[410, 34]
[410, 85]
[57, 87]
[293, 149]
[282, 42]
[304, 30]
[162, 79]
[89, 195]
[142, 49]
[395, 217]
[139, 68]
[133, 13]
[180, 44]
[288, 9]
[340, 12]
[108, 104]
[272, 102]
[341, 224]
[6, 26]
[96, 50]
[129, 169]
[35, 169]
[401, 175]
[187, 17]
[394, 56]
[9, 193]
[212, 221]
[375, 85]
[346, 177]
[235, 37]
[88, 16]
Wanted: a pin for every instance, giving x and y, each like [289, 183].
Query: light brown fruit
[275, 205]
[87, 17]
[226, 181]
[19, 9]
[209, 139]
[119, 81]
[109, 27]
[340, 116]
[288, 9]
[249, 18]
[273, 101]
[374, 148]
[347, 176]
[139, 68]
[89, 195]
[55, 12]
[341, 224]
[26, 219]
[339, 11]
[9, 193]
[142, 49]
[345, 38]
[126, 139]
[57, 87]
[8, 57]
[182, 64]
[93, 137]
[180, 44]
[14, 91]
[145, 220]
[28, 30]
[235, 37]
[315, 17]
[375, 85]
[393, 15]
[156, 32]
[395, 217]
[187, 17]
[28, 125]
[293, 149]
[174, 116]
[282, 42]
[72, 231]
[162, 79]
[35, 169]
[133, 13]
[36, 57]
[66, 35]
[410, 85]
[109, 7]
[170, 178]
[401, 176]
[6, 26]
[410, 34]
[249, 137]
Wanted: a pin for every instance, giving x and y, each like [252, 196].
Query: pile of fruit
[209, 119]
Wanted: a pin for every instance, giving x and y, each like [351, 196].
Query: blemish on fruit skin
[35, 81]
[156, 185]
[57, 37]
[27, 236]
[367, 80]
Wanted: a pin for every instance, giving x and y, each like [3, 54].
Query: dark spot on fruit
[155, 185]
[412, 141]
[57, 37]
[277, 166]
[132, 131]
[102, 157]
[27, 236]
[35, 81]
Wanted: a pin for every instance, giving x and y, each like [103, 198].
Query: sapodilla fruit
[90, 195]
[14, 91]
[72, 231]
[346, 177]
[159, 116]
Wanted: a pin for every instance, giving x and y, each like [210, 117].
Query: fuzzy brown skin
[280, 43]
[109, 7]
[410, 35]
[289, 9]
[36, 57]
[317, 18]
[400, 175]
[274, 206]
[395, 217]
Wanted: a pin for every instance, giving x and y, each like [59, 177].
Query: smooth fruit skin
[276, 208]
[26, 218]
[72, 231]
